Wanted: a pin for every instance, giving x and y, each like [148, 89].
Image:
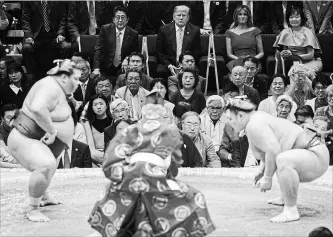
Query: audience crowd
[115, 82]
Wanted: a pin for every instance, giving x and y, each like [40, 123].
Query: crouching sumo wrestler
[296, 154]
[42, 130]
[143, 198]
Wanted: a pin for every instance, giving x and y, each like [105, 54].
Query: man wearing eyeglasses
[251, 65]
[115, 42]
[213, 121]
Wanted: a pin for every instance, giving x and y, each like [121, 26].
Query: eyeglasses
[120, 18]
[320, 88]
[116, 111]
[214, 108]
[251, 69]
[190, 125]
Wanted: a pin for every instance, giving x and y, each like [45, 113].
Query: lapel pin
[217, 3]
[76, 149]
[188, 32]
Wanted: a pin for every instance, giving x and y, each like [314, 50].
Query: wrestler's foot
[47, 201]
[289, 214]
[276, 201]
[36, 216]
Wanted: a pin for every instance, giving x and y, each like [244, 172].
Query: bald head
[238, 75]
[181, 15]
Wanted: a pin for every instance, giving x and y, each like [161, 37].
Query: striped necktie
[46, 19]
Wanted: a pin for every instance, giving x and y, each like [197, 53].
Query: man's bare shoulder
[46, 86]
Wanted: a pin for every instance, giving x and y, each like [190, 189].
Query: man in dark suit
[77, 157]
[174, 39]
[115, 42]
[319, 14]
[41, 21]
[215, 11]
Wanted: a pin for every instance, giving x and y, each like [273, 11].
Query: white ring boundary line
[241, 173]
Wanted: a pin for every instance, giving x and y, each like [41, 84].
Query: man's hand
[48, 138]
[96, 73]
[286, 53]
[29, 41]
[204, 32]
[256, 179]
[172, 69]
[266, 183]
[124, 65]
[60, 39]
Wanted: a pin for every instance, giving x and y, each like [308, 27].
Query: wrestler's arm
[263, 138]
[41, 104]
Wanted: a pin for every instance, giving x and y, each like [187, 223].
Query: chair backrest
[151, 41]
[88, 43]
[326, 44]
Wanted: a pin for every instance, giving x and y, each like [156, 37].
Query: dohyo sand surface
[236, 208]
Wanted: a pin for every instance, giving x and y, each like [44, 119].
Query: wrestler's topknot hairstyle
[63, 67]
[240, 103]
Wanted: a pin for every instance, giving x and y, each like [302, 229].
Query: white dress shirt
[207, 24]
[15, 88]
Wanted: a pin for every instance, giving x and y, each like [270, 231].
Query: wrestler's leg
[294, 166]
[279, 201]
[37, 158]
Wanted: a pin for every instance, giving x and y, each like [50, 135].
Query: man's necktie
[83, 88]
[46, 19]
[179, 43]
[67, 163]
[92, 25]
[117, 55]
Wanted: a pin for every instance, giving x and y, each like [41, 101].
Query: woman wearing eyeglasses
[190, 123]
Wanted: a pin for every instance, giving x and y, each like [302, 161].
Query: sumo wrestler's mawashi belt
[29, 128]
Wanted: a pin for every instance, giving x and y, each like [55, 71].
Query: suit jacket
[319, 22]
[217, 11]
[106, 45]
[166, 44]
[252, 95]
[190, 153]
[32, 17]
[261, 86]
[79, 19]
[276, 15]
[109, 133]
[90, 91]
[134, 13]
[80, 156]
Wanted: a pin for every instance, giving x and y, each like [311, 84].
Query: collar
[15, 87]
[85, 83]
[249, 83]
[122, 31]
[177, 27]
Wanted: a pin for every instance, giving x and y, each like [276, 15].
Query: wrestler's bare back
[59, 109]
[263, 129]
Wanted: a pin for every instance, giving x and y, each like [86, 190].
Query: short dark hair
[285, 79]
[14, 67]
[133, 70]
[251, 59]
[7, 107]
[299, 10]
[137, 54]
[181, 108]
[83, 55]
[195, 75]
[91, 116]
[7, 59]
[119, 9]
[321, 232]
[102, 78]
[230, 87]
[321, 78]
[187, 52]
[164, 82]
[305, 111]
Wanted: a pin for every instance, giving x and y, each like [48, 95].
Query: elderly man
[135, 60]
[186, 60]
[213, 121]
[175, 38]
[238, 78]
[103, 87]
[42, 130]
[133, 93]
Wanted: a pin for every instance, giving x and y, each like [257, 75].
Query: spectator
[115, 42]
[7, 115]
[208, 15]
[320, 232]
[251, 65]
[238, 77]
[304, 115]
[188, 81]
[319, 85]
[78, 56]
[103, 87]
[318, 15]
[79, 132]
[135, 60]
[99, 118]
[42, 42]
[159, 85]
[186, 60]
[278, 86]
[178, 111]
[175, 38]
[214, 120]
[322, 125]
[18, 86]
[4, 62]
[112, 130]
[234, 148]
[300, 84]
[298, 43]
[327, 111]
[277, 14]
[243, 39]
[284, 104]
[133, 93]
[191, 126]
